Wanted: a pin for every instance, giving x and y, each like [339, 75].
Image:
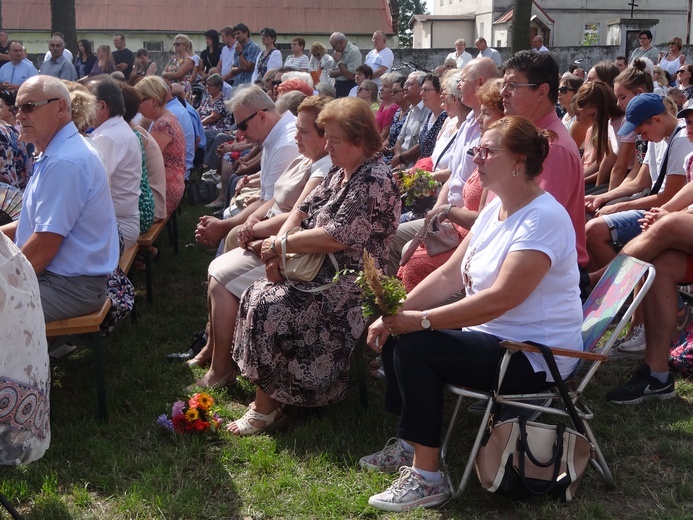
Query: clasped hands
[401, 323]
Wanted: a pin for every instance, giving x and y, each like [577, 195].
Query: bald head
[473, 75]
[484, 68]
[178, 91]
[51, 110]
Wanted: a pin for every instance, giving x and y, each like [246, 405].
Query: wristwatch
[339, 63]
[425, 322]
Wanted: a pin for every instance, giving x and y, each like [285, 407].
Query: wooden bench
[89, 326]
[146, 241]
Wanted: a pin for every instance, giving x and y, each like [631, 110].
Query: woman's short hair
[489, 95]
[635, 77]
[449, 81]
[315, 104]
[153, 87]
[184, 38]
[82, 105]
[389, 78]
[676, 41]
[252, 98]
[318, 49]
[366, 70]
[326, 89]
[520, 136]
[290, 102]
[355, 118]
[435, 81]
[215, 80]
[372, 87]
[141, 52]
[270, 33]
[132, 100]
[294, 84]
[450, 62]
[300, 41]
[297, 74]
[572, 81]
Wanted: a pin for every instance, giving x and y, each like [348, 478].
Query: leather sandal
[272, 422]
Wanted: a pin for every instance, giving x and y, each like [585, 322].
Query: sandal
[272, 422]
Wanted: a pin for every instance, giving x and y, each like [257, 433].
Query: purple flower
[164, 422]
[178, 408]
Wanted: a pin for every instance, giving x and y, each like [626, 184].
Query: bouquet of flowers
[195, 415]
[381, 295]
[416, 184]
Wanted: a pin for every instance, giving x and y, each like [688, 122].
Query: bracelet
[272, 247]
[447, 210]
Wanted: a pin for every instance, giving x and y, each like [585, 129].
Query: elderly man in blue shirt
[67, 227]
[58, 66]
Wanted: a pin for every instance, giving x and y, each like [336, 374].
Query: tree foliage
[407, 9]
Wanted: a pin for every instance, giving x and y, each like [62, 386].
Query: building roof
[507, 16]
[438, 17]
[286, 16]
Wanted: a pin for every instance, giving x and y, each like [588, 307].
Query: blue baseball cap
[641, 108]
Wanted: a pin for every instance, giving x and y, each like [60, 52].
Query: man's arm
[41, 248]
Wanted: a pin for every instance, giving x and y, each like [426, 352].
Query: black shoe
[199, 341]
[642, 386]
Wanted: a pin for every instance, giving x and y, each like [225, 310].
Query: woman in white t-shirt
[518, 265]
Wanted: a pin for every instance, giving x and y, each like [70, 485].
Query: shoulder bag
[303, 267]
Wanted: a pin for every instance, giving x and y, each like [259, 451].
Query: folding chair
[612, 291]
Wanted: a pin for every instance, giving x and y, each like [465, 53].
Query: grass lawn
[130, 469]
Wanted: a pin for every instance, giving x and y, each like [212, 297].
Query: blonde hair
[82, 105]
[153, 87]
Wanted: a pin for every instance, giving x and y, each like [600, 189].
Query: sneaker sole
[643, 398]
[382, 469]
[620, 354]
[426, 502]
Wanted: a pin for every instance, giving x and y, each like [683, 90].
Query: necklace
[521, 203]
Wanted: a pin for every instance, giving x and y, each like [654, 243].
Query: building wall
[442, 35]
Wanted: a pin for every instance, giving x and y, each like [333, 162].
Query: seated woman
[167, 133]
[422, 263]
[388, 107]
[215, 118]
[16, 165]
[368, 91]
[523, 239]
[231, 273]
[295, 345]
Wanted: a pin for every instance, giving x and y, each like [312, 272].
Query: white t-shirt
[299, 63]
[552, 314]
[376, 59]
[680, 148]
[461, 60]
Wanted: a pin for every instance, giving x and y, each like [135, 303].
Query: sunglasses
[565, 90]
[178, 44]
[681, 71]
[243, 125]
[29, 107]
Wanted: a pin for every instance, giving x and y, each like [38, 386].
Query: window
[591, 34]
[154, 46]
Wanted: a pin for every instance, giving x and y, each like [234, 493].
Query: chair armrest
[593, 356]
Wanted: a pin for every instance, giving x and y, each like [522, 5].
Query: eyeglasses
[482, 151]
[428, 90]
[361, 89]
[565, 90]
[512, 87]
[681, 71]
[29, 107]
[276, 82]
[243, 125]
[396, 91]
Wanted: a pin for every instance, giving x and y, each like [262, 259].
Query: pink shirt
[385, 115]
[562, 177]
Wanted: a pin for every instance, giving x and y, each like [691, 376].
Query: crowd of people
[544, 176]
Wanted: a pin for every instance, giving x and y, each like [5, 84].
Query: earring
[515, 172]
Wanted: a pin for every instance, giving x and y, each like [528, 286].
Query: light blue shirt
[197, 126]
[250, 53]
[181, 114]
[17, 74]
[60, 68]
[68, 194]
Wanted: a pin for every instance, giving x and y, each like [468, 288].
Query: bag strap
[663, 170]
[319, 288]
[450, 142]
[523, 449]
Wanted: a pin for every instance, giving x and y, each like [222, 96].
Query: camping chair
[614, 288]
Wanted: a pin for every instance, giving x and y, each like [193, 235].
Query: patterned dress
[397, 124]
[429, 134]
[146, 195]
[15, 166]
[173, 65]
[420, 265]
[210, 106]
[174, 159]
[295, 345]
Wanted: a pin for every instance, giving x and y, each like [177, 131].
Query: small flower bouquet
[195, 415]
[381, 295]
[416, 184]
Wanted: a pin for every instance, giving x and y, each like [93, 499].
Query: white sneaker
[634, 342]
[410, 491]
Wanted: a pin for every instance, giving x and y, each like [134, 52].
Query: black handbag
[201, 192]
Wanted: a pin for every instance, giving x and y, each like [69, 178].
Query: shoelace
[406, 482]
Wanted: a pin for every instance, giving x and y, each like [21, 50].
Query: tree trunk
[1, 14]
[64, 20]
[522, 13]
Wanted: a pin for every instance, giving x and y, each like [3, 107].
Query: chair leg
[100, 380]
[11, 510]
[148, 273]
[599, 464]
[172, 229]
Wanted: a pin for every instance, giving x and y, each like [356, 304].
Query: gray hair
[389, 77]
[325, 89]
[215, 80]
[338, 37]
[290, 102]
[303, 76]
[251, 97]
[450, 80]
[418, 76]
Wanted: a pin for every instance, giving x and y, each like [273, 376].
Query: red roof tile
[286, 16]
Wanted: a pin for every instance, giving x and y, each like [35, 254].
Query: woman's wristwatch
[425, 322]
